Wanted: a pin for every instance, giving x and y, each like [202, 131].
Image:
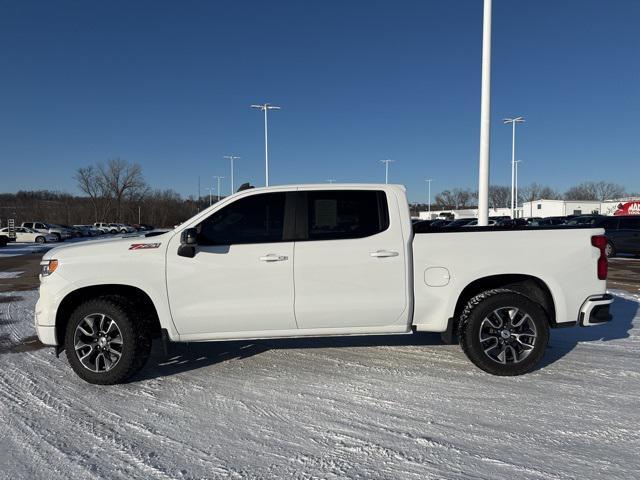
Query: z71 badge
[143, 246]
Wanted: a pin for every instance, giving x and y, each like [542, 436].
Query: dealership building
[548, 208]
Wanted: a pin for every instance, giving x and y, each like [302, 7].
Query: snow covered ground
[377, 407]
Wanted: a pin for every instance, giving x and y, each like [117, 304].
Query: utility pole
[485, 118]
[210, 193]
[219, 178]
[331, 180]
[386, 169]
[231, 158]
[513, 122]
[428, 181]
[517, 162]
[265, 107]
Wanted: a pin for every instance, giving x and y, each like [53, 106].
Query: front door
[350, 269]
[241, 277]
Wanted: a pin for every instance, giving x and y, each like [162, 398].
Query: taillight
[600, 242]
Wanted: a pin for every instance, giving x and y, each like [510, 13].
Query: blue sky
[169, 84]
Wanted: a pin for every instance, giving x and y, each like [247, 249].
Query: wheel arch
[140, 299]
[532, 287]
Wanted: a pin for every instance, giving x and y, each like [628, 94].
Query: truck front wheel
[504, 332]
[105, 342]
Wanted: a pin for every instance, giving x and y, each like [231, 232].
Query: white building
[561, 208]
[538, 208]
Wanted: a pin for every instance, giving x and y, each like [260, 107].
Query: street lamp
[517, 162]
[485, 118]
[386, 169]
[331, 180]
[219, 178]
[231, 158]
[428, 181]
[210, 193]
[513, 122]
[265, 107]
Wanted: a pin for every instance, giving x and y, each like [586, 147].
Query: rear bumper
[595, 310]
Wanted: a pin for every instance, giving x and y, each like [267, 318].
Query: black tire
[135, 345]
[40, 240]
[610, 250]
[525, 345]
[58, 237]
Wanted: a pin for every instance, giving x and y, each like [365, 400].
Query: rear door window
[346, 214]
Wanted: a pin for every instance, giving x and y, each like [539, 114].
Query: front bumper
[595, 310]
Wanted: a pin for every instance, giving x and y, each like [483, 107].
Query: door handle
[384, 253]
[272, 257]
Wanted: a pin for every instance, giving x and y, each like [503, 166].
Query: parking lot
[359, 407]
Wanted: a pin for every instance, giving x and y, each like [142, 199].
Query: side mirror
[189, 237]
[188, 241]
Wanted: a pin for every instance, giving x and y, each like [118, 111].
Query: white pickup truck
[318, 260]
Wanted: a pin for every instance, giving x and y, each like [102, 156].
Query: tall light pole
[331, 180]
[516, 163]
[513, 122]
[210, 193]
[428, 181]
[231, 158]
[485, 118]
[219, 178]
[386, 169]
[265, 107]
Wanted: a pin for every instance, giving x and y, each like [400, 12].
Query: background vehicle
[548, 221]
[623, 231]
[355, 263]
[460, 222]
[89, 230]
[26, 235]
[60, 233]
[104, 227]
[3, 241]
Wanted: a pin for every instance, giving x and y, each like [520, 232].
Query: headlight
[47, 267]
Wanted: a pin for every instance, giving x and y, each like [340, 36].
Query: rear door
[349, 267]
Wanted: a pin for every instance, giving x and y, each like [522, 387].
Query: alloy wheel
[98, 342]
[508, 335]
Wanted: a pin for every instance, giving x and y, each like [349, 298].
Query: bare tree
[122, 180]
[91, 182]
[608, 191]
[535, 191]
[499, 196]
[582, 191]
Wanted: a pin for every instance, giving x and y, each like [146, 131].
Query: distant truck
[57, 231]
[320, 260]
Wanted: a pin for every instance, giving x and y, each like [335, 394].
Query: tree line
[500, 195]
[114, 191]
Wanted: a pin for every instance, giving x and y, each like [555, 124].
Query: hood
[90, 247]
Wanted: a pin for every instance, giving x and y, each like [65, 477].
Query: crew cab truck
[319, 260]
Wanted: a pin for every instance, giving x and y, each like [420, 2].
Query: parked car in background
[104, 227]
[474, 223]
[26, 235]
[460, 222]
[89, 230]
[548, 221]
[3, 241]
[623, 232]
[121, 228]
[59, 232]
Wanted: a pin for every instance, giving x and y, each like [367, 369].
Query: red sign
[629, 208]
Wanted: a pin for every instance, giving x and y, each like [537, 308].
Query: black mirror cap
[189, 237]
[188, 251]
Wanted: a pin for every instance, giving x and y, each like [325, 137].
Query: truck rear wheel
[105, 343]
[504, 332]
